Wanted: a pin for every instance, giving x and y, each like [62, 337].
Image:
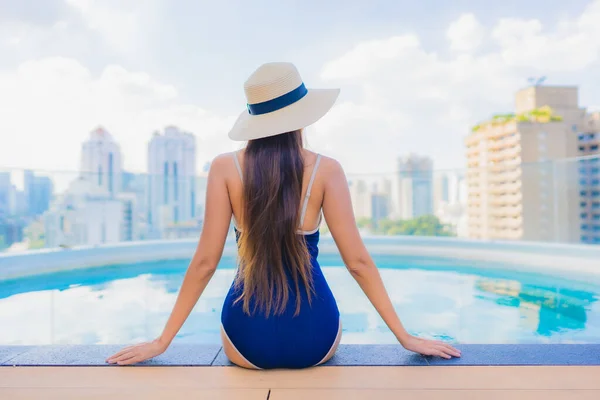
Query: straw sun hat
[278, 102]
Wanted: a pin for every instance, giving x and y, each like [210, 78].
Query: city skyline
[410, 78]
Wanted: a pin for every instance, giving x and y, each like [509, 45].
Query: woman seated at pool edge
[279, 311]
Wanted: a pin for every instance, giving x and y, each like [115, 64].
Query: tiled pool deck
[357, 372]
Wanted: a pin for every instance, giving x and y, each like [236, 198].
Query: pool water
[465, 303]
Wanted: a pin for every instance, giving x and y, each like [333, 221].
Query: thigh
[233, 354]
[334, 346]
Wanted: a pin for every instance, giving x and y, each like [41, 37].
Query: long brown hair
[269, 244]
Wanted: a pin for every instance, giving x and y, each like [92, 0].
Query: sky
[414, 76]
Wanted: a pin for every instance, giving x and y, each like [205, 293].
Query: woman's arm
[217, 217]
[337, 208]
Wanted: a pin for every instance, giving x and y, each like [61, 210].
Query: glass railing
[443, 297]
[552, 201]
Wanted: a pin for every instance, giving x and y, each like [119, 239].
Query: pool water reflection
[434, 298]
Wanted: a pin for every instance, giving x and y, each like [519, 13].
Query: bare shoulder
[331, 168]
[222, 164]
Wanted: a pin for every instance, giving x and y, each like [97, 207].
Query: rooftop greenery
[540, 115]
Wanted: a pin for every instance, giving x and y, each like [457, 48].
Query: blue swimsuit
[287, 341]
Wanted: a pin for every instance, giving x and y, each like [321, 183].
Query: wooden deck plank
[523, 378]
[395, 394]
[99, 393]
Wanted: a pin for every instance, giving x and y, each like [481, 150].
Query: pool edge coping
[181, 354]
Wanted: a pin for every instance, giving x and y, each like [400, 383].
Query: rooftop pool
[461, 291]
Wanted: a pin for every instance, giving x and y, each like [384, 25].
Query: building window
[583, 204]
[166, 182]
[583, 193]
[581, 148]
[100, 175]
[584, 215]
[594, 147]
[193, 198]
[110, 172]
[175, 181]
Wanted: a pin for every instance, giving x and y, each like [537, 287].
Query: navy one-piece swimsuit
[286, 340]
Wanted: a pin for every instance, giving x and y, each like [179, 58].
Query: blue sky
[414, 75]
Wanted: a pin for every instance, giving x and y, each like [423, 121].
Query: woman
[279, 312]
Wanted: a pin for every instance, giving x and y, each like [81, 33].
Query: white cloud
[574, 45]
[357, 62]
[466, 33]
[416, 101]
[122, 25]
[404, 97]
[398, 95]
[50, 105]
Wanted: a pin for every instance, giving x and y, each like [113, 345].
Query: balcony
[505, 154]
[510, 174]
[508, 200]
[499, 131]
[506, 211]
[505, 165]
[506, 223]
[504, 142]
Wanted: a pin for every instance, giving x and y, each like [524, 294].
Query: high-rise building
[201, 185]
[517, 187]
[450, 202]
[135, 193]
[37, 192]
[589, 179]
[93, 210]
[441, 189]
[361, 199]
[130, 224]
[379, 207]
[101, 163]
[79, 217]
[5, 193]
[412, 189]
[172, 186]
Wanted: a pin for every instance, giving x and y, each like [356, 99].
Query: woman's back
[314, 175]
[294, 338]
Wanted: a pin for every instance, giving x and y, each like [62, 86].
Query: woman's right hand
[138, 353]
[428, 347]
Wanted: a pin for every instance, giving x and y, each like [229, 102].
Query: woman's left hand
[138, 353]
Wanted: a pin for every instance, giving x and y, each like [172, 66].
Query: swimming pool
[461, 301]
